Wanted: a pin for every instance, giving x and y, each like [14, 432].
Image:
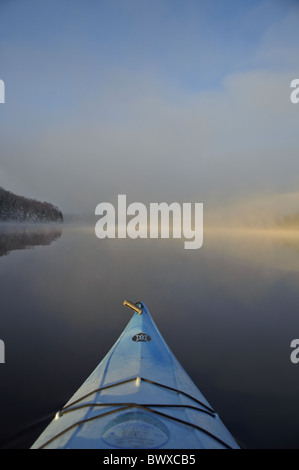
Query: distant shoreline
[14, 208]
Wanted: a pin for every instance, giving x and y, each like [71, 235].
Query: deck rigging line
[127, 406]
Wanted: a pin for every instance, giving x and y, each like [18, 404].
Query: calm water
[228, 311]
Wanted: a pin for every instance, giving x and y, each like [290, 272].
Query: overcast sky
[161, 100]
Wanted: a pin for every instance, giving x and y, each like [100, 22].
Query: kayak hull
[138, 397]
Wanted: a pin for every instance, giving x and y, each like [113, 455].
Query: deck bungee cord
[138, 397]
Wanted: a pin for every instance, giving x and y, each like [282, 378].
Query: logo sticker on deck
[135, 430]
[141, 337]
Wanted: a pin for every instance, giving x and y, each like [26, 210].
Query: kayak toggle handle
[133, 307]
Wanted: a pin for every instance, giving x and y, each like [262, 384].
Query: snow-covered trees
[21, 209]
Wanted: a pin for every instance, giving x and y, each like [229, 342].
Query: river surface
[228, 311]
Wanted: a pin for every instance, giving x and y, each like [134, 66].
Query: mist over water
[228, 311]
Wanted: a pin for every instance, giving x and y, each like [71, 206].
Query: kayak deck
[138, 397]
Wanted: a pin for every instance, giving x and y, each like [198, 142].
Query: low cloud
[86, 135]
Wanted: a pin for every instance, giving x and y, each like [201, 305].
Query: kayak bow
[138, 397]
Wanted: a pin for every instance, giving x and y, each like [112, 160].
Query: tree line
[21, 209]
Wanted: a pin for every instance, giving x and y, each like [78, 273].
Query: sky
[161, 100]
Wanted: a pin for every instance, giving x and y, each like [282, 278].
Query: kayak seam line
[146, 405]
[145, 380]
[78, 423]
[182, 392]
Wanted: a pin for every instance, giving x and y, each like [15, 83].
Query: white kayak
[138, 397]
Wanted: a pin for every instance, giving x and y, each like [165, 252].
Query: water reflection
[271, 248]
[228, 311]
[24, 237]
